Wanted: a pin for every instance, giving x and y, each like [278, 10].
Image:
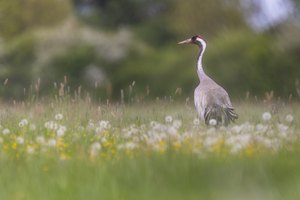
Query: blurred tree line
[105, 46]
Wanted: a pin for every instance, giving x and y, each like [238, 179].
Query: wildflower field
[76, 149]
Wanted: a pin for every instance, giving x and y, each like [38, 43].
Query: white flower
[51, 142]
[40, 139]
[6, 131]
[261, 128]
[20, 140]
[210, 141]
[90, 126]
[98, 130]
[289, 118]
[51, 125]
[23, 122]
[168, 119]
[266, 116]
[282, 128]
[95, 147]
[247, 127]
[153, 124]
[264, 141]
[130, 145]
[196, 121]
[236, 148]
[177, 124]
[212, 122]
[172, 131]
[104, 124]
[236, 129]
[58, 116]
[61, 131]
[30, 150]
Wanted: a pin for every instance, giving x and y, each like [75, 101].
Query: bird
[212, 102]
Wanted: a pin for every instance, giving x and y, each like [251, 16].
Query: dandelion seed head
[152, 123]
[6, 131]
[265, 142]
[282, 128]
[95, 146]
[236, 129]
[90, 126]
[104, 124]
[30, 150]
[60, 132]
[20, 140]
[236, 148]
[98, 130]
[130, 145]
[177, 124]
[168, 119]
[23, 122]
[50, 125]
[212, 122]
[289, 118]
[210, 141]
[172, 131]
[40, 139]
[261, 128]
[59, 116]
[196, 121]
[247, 127]
[266, 116]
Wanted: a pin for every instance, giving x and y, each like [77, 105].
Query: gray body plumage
[211, 100]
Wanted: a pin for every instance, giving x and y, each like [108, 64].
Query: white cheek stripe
[202, 42]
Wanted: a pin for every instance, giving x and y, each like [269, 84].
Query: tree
[17, 17]
[205, 17]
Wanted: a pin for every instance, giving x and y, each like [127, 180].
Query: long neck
[200, 71]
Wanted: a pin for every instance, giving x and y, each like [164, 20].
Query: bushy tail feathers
[220, 114]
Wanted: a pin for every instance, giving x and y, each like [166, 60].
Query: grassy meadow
[78, 149]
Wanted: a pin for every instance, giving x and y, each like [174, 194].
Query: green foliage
[17, 17]
[17, 65]
[71, 64]
[206, 17]
[159, 71]
[247, 62]
[71, 69]
[114, 13]
[238, 58]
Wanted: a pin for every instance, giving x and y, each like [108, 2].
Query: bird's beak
[188, 41]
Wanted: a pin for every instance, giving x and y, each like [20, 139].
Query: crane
[212, 102]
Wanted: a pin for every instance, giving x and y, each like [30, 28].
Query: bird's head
[197, 39]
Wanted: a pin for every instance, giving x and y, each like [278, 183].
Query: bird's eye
[194, 38]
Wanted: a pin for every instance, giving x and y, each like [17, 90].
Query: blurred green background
[109, 46]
